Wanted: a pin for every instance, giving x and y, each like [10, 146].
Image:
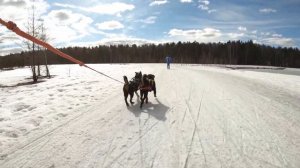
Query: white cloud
[115, 39]
[210, 32]
[8, 37]
[267, 10]
[9, 42]
[8, 50]
[110, 25]
[18, 11]
[203, 35]
[215, 35]
[231, 15]
[18, 3]
[115, 8]
[186, 1]
[205, 2]
[61, 15]
[64, 26]
[254, 31]
[211, 11]
[149, 20]
[267, 38]
[275, 39]
[276, 35]
[158, 2]
[204, 5]
[265, 33]
[279, 41]
[235, 36]
[125, 40]
[240, 28]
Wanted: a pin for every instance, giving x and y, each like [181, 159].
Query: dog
[147, 85]
[132, 86]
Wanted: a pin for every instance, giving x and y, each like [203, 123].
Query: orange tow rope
[13, 27]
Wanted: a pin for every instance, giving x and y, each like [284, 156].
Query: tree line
[232, 52]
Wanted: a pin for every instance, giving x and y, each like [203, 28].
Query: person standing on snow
[168, 61]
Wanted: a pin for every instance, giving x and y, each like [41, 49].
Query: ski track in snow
[204, 116]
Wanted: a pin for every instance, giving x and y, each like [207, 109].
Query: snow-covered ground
[203, 116]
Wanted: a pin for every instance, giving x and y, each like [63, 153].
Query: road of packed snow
[203, 116]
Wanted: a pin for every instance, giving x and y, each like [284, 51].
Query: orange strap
[13, 27]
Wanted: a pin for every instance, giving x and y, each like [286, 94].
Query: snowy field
[203, 116]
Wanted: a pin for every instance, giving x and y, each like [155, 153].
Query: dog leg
[142, 102]
[141, 95]
[154, 88]
[125, 91]
[146, 97]
[125, 97]
[131, 96]
[142, 98]
[136, 93]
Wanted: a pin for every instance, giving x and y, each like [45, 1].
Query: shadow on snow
[157, 110]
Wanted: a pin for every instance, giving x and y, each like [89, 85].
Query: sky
[90, 23]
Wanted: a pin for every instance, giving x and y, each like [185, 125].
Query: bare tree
[36, 28]
[31, 29]
[43, 37]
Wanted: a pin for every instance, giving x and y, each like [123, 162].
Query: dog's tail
[125, 79]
